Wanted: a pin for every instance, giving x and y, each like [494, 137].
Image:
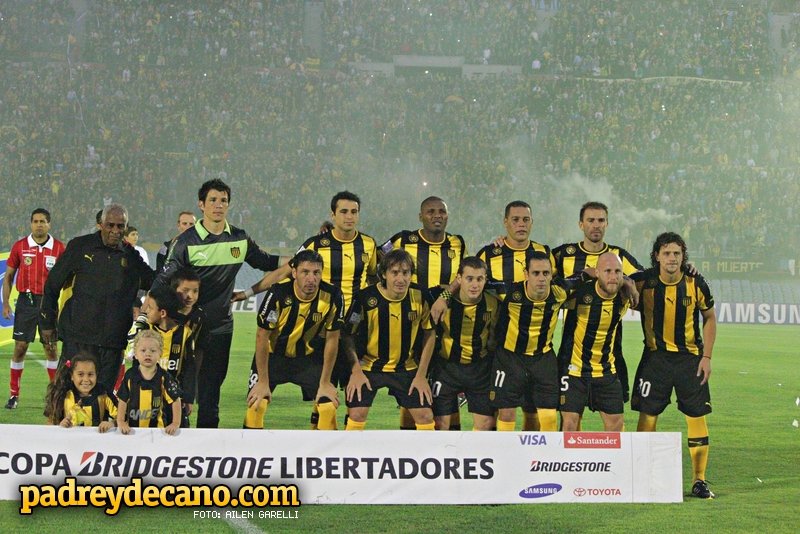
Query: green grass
[754, 461]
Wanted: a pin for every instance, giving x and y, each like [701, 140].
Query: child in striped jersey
[76, 399]
[147, 390]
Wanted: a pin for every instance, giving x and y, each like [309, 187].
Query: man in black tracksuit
[98, 277]
[216, 251]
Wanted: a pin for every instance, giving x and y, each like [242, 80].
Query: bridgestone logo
[570, 467]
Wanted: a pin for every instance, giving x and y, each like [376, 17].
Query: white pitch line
[241, 524]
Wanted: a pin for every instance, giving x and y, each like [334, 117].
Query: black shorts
[527, 381]
[398, 382]
[304, 371]
[659, 372]
[602, 394]
[26, 317]
[451, 378]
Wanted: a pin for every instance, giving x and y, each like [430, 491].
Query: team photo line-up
[416, 315]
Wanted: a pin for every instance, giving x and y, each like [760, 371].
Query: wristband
[709, 357]
[446, 295]
[249, 292]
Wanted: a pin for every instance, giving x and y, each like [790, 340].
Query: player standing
[677, 354]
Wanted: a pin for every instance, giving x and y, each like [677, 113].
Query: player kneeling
[292, 317]
[383, 321]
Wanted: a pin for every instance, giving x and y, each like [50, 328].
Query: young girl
[147, 388]
[75, 399]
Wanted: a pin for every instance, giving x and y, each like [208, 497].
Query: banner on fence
[372, 467]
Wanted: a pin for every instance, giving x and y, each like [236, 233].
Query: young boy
[161, 312]
[186, 284]
[147, 389]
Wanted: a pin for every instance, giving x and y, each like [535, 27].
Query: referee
[31, 259]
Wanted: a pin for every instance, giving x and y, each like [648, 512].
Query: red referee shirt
[33, 262]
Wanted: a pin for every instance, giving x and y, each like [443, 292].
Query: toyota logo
[579, 492]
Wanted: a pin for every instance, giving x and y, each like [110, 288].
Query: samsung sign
[747, 313]
[763, 313]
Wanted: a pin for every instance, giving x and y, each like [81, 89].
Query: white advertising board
[371, 467]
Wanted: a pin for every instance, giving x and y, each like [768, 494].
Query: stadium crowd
[123, 125]
[636, 39]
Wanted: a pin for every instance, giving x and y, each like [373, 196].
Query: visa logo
[532, 439]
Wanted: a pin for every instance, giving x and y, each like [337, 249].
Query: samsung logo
[540, 490]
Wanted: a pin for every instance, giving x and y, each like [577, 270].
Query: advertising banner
[371, 467]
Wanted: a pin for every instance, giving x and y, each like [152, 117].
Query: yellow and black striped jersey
[180, 345]
[466, 331]
[347, 263]
[592, 340]
[92, 409]
[671, 312]
[294, 323]
[436, 263]
[146, 399]
[572, 258]
[507, 264]
[526, 326]
[385, 329]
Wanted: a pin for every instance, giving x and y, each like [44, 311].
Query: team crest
[365, 258]
[651, 282]
[413, 238]
[496, 251]
[124, 262]
[324, 242]
[451, 254]
[516, 296]
[28, 260]
[491, 395]
[571, 250]
[587, 299]
[686, 301]
[287, 301]
[316, 317]
[236, 252]
[372, 302]
[412, 316]
[176, 348]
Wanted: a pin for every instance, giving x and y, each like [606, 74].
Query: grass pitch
[754, 461]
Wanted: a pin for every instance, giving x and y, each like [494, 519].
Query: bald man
[591, 380]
